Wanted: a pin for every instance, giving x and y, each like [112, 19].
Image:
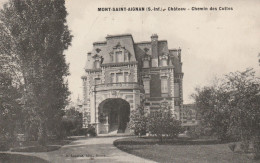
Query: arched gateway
[113, 115]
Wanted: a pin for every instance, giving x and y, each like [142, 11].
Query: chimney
[179, 54]
[154, 46]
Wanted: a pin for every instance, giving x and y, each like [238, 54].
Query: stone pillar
[171, 78]
[135, 73]
[107, 125]
[97, 127]
[103, 70]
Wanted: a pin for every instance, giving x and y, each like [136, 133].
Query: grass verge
[33, 146]
[181, 151]
[17, 158]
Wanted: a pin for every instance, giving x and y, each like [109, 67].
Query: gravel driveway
[98, 149]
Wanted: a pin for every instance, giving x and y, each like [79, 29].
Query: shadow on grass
[17, 158]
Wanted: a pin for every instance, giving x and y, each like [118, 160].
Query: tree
[72, 122]
[35, 35]
[231, 108]
[244, 104]
[212, 104]
[9, 108]
[138, 121]
[162, 123]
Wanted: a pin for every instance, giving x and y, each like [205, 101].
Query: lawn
[14, 158]
[181, 151]
[33, 146]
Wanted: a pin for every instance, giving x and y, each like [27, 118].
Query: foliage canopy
[34, 35]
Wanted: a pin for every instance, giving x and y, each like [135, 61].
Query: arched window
[163, 62]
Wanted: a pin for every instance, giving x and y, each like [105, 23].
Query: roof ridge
[119, 35]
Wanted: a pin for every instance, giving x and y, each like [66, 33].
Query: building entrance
[114, 113]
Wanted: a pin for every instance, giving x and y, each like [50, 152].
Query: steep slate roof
[106, 47]
[163, 47]
[137, 50]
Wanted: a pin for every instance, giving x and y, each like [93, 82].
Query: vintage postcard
[129, 81]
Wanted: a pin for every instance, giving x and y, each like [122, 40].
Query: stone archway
[114, 115]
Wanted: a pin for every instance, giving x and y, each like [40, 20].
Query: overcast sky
[212, 42]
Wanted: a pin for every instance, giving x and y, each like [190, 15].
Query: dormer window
[97, 64]
[164, 60]
[146, 64]
[119, 54]
[97, 61]
[146, 61]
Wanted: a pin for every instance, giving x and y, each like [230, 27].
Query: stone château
[121, 74]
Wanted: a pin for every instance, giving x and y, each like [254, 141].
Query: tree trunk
[42, 135]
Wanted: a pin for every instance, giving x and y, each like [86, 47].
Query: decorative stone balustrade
[119, 86]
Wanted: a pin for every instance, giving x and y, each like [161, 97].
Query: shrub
[91, 130]
[161, 123]
[4, 146]
[138, 121]
[193, 132]
[83, 131]
[200, 131]
[71, 122]
[230, 106]
[256, 150]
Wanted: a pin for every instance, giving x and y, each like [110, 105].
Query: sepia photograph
[174, 81]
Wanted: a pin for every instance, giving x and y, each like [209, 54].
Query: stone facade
[138, 73]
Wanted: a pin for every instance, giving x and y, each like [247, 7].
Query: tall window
[164, 85]
[126, 56]
[146, 64]
[119, 56]
[126, 77]
[120, 77]
[113, 78]
[147, 86]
